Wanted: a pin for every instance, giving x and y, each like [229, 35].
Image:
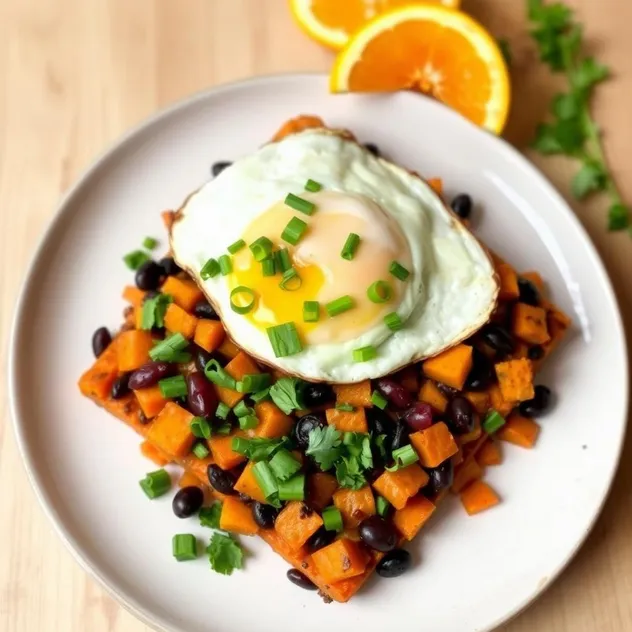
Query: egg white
[450, 293]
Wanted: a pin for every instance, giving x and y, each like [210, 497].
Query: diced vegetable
[508, 283]
[397, 487]
[450, 367]
[184, 547]
[410, 519]
[228, 348]
[156, 484]
[223, 453]
[298, 124]
[478, 496]
[354, 421]
[464, 474]
[297, 523]
[436, 184]
[520, 431]
[489, 454]
[515, 378]
[97, 381]
[355, 394]
[209, 334]
[188, 480]
[434, 445]
[340, 560]
[247, 484]
[273, 422]
[354, 505]
[150, 451]
[430, 394]
[320, 489]
[236, 517]
[529, 324]
[150, 400]
[179, 321]
[171, 431]
[185, 293]
[242, 364]
[498, 402]
[133, 295]
[478, 399]
[133, 349]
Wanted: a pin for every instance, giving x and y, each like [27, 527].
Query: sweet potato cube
[478, 399]
[411, 518]
[236, 517]
[354, 421]
[320, 489]
[222, 451]
[209, 334]
[273, 422]
[133, 349]
[489, 454]
[355, 394]
[529, 324]
[355, 505]
[436, 184]
[535, 278]
[297, 523]
[498, 402]
[430, 394]
[247, 484]
[478, 496]
[450, 367]
[434, 445]
[228, 348]
[520, 431]
[515, 378]
[397, 487]
[151, 452]
[133, 295]
[170, 430]
[188, 479]
[150, 400]
[97, 381]
[242, 364]
[465, 473]
[508, 283]
[179, 321]
[185, 293]
[340, 560]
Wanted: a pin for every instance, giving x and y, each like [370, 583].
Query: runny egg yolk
[325, 275]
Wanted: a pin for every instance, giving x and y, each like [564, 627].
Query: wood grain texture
[76, 74]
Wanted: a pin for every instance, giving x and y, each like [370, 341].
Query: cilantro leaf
[366, 457]
[209, 516]
[153, 313]
[561, 137]
[618, 217]
[349, 474]
[285, 394]
[588, 74]
[224, 554]
[257, 448]
[567, 106]
[324, 446]
[379, 444]
[284, 465]
[590, 178]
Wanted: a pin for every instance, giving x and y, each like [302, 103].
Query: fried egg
[449, 291]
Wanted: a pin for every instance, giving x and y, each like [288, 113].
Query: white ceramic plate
[470, 573]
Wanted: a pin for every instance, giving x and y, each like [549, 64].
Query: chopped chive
[156, 483]
[293, 488]
[393, 321]
[299, 204]
[222, 410]
[200, 427]
[245, 293]
[293, 231]
[313, 186]
[150, 243]
[377, 399]
[351, 245]
[253, 382]
[379, 292]
[236, 247]
[242, 409]
[260, 396]
[134, 260]
[248, 422]
[345, 408]
[200, 450]
[184, 547]
[209, 269]
[403, 457]
[340, 305]
[268, 267]
[382, 506]
[225, 265]
[493, 422]
[364, 354]
[216, 374]
[282, 258]
[291, 281]
[239, 387]
[261, 248]
[284, 340]
[170, 349]
[265, 479]
[172, 387]
[398, 271]
[311, 311]
[332, 518]
[284, 465]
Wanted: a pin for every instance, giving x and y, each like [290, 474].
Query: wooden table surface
[76, 74]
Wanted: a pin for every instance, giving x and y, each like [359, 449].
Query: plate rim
[63, 209]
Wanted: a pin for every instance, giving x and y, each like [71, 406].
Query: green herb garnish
[286, 394]
[324, 446]
[224, 554]
[153, 313]
[209, 516]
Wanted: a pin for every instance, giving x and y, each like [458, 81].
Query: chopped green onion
[248, 422]
[382, 506]
[239, 387]
[156, 483]
[261, 395]
[135, 259]
[242, 409]
[244, 293]
[340, 305]
[225, 264]
[265, 478]
[351, 245]
[293, 231]
[393, 321]
[377, 399]
[379, 292]
[153, 311]
[493, 422]
[216, 374]
[403, 457]
[332, 518]
[236, 247]
[284, 340]
[299, 204]
[200, 427]
[268, 267]
[258, 448]
[313, 186]
[293, 488]
[209, 269]
[200, 450]
[282, 258]
[345, 408]
[172, 387]
[291, 281]
[184, 547]
[222, 410]
[223, 429]
[364, 354]
[253, 382]
[311, 311]
[261, 248]
[168, 350]
[150, 243]
[284, 465]
[398, 271]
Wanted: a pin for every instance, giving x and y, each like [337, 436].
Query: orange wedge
[331, 22]
[438, 51]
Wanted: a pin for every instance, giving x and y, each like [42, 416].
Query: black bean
[462, 205]
[120, 387]
[201, 357]
[203, 309]
[379, 422]
[528, 292]
[418, 416]
[400, 435]
[148, 276]
[535, 353]
[296, 577]
[169, 266]
[264, 515]
[378, 534]
[441, 477]
[394, 392]
[373, 148]
[481, 374]
[305, 425]
[320, 539]
[220, 480]
[218, 167]
[244, 498]
[498, 338]
[149, 295]
[538, 405]
[187, 501]
[460, 415]
[201, 395]
[142, 418]
[101, 339]
[149, 374]
[448, 391]
[394, 564]
[317, 394]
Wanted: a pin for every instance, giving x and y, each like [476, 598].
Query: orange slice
[438, 51]
[331, 22]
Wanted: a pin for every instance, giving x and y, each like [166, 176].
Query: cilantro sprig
[224, 554]
[573, 130]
